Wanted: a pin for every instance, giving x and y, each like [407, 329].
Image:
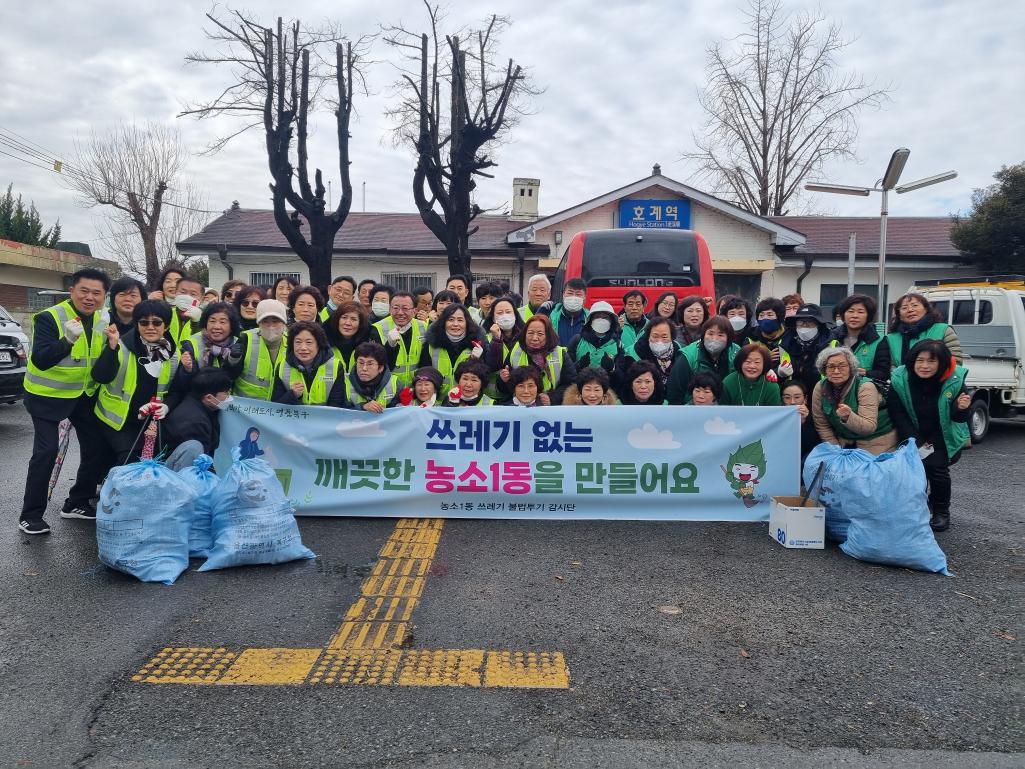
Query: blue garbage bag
[202, 479]
[841, 481]
[142, 523]
[253, 521]
[890, 523]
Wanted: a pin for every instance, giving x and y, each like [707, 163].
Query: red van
[613, 262]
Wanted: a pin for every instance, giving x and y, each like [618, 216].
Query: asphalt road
[688, 644]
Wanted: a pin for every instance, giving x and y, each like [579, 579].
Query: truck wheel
[978, 420]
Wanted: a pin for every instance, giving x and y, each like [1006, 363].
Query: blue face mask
[768, 325]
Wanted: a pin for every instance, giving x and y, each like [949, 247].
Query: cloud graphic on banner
[360, 429]
[650, 437]
[720, 426]
[296, 440]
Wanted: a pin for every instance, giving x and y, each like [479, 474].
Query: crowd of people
[115, 356]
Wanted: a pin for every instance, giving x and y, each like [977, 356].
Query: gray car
[14, 351]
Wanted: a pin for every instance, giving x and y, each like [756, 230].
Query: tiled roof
[910, 236]
[249, 229]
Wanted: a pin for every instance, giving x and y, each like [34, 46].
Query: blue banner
[655, 214]
[720, 463]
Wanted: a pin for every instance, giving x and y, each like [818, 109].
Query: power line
[23, 160]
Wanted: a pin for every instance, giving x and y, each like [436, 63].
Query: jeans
[184, 455]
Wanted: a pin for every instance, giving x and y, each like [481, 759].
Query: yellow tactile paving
[186, 665]
[368, 648]
[448, 667]
[271, 666]
[526, 670]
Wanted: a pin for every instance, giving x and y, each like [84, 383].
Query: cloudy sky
[620, 78]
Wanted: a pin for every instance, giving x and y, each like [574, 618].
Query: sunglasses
[250, 303]
[150, 322]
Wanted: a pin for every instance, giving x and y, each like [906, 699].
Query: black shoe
[939, 521]
[34, 527]
[82, 512]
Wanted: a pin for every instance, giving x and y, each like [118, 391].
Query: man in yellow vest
[402, 336]
[66, 340]
[539, 291]
[187, 312]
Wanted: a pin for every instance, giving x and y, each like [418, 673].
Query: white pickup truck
[988, 314]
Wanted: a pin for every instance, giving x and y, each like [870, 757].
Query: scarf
[160, 350]
[916, 329]
[835, 394]
[214, 350]
[539, 359]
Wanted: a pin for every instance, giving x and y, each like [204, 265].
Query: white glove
[477, 351]
[786, 370]
[157, 410]
[455, 394]
[73, 329]
[194, 313]
[393, 336]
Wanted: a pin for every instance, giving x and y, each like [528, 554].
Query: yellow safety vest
[115, 397]
[179, 331]
[199, 348]
[73, 375]
[553, 365]
[442, 361]
[384, 396]
[257, 377]
[409, 357]
[323, 380]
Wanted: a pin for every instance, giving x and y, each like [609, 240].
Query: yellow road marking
[369, 647]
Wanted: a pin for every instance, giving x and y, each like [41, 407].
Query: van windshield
[653, 261]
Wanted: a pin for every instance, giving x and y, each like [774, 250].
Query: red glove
[455, 394]
[406, 396]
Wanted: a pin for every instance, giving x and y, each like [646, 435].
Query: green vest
[409, 357]
[556, 316]
[348, 364]
[115, 397]
[199, 348]
[256, 379]
[955, 434]
[628, 334]
[896, 341]
[632, 353]
[595, 355]
[73, 375]
[384, 396]
[179, 331]
[442, 361]
[323, 380]
[865, 352]
[325, 313]
[553, 365]
[883, 423]
[692, 354]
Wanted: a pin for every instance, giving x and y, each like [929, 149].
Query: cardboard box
[798, 527]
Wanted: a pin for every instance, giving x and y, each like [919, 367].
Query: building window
[831, 294]
[407, 281]
[268, 278]
[40, 301]
[488, 277]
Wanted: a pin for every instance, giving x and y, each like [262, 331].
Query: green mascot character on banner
[743, 470]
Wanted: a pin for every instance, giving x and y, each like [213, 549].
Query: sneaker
[81, 512]
[34, 527]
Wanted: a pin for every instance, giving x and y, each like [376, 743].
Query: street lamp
[889, 182]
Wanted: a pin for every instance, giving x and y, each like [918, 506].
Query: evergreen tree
[23, 225]
[992, 236]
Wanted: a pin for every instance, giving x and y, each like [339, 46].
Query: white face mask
[505, 322]
[455, 338]
[183, 302]
[601, 326]
[224, 404]
[807, 334]
[715, 346]
[660, 348]
[573, 303]
[272, 334]
[380, 309]
[153, 368]
[738, 323]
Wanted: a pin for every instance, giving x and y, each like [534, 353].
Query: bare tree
[137, 176]
[777, 108]
[279, 77]
[454, 136]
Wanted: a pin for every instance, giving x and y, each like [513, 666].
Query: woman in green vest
[451, 339]
[914, 319]
[690, 318]
[714, 352]
[371, 386]
[538, 348]
[748, 385]
[656, 345]
[471, 377]
[847, 408]
[131, 371]
[306, 371]
[504, 325]
[598, 344]
[211, 346]
[857, 331]
[928, 402]
[347, 328]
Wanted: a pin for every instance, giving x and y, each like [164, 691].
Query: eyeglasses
[837, 367]
[146, 322]
[250, 303]
[231, 295]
